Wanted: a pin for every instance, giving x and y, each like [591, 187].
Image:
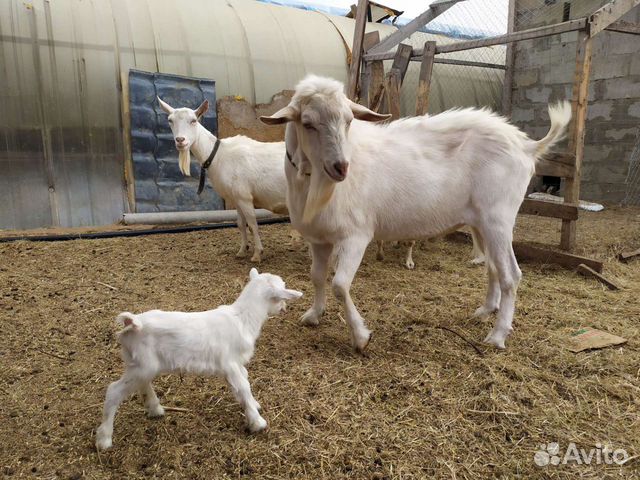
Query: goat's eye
[170, 122]
[193, 122]
[308, 126]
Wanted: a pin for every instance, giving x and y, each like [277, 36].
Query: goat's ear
[287, 294]
[253, 274]
[202, 109]
[363, 113]
[165, 106]
[284, 115]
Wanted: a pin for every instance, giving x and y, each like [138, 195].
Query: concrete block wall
[543, 72]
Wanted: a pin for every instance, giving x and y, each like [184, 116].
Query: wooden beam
[424, 80]
[587, 271]
[393, 93]
[612, 11]
[376, 90]
[549, 209]
[624, 257]
[370, 39]
[434, 10]
[525, 251]
[400, 64]
[509, 62]
[570, 26]
[576, 138]
[356, 51]
[624, 27]
[464, 63]
[556, 165]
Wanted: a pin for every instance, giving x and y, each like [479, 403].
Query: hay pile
[421, 404]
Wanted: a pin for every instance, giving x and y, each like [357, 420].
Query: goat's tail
[129, 321]
[560, 115]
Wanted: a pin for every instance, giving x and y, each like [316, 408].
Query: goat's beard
[184, 160]
[320, 190]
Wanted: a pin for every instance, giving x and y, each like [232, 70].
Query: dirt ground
[421, 404]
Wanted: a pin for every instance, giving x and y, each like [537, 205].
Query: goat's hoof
[496, 338]
[311, 318]
[155, 412]
[257, 257]
[361, 342]
[258, 425]
[103, 442]
[483, 311]
[242, 252]
[410, 265]
[379, 256]
[477, 261]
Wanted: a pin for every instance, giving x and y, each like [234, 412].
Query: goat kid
[216, 342]
[244, 172]
[412, 178]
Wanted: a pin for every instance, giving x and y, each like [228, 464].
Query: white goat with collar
[413, 178]
[244, 172]
[216, 342]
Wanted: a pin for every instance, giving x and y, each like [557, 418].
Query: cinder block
[634, 110]
[596, 153]
[627, 87]
[526, 78]
[522, 115]
[538, 94]
[618, 134]
[610, 66]
[599, 110]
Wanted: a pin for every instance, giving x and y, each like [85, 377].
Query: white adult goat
[412, 178]
[216, 342]
[244, 172]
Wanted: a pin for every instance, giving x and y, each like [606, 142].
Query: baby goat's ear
[253, 274]
[287, 294]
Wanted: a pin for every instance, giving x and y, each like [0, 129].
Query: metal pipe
[172, 218]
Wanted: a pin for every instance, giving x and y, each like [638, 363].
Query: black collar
[207, 164]
[291, 162]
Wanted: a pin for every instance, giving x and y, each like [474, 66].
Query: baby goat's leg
[380, 250]
[349, 254]
[239, 383]
[242, 226]
[151, 402]
[116, 393]
[320, 255]
[250, 215]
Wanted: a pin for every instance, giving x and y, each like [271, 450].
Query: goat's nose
[341, 168]
[180, 139]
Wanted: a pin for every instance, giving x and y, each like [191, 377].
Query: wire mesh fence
[632, 195]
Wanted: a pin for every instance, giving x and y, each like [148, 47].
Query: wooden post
[129, 179]
[576, 138]
[356, 52]
[370, 39]
[424, 80]
[393, 93]
[401, 62]
[509, 63]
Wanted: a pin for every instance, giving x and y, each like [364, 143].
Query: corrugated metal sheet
[61, 156]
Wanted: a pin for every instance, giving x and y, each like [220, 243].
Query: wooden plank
[624, 257]
[464, 63]
[376, 90]
[393, 93]
[553, 168]
[576, 138]
[424, 79]
[400, 64]
[608, 14]
[356, 51]
[370, 39]
[525, 251]
[129, 178]
[549, 209]
[421, 20]
[543, 208]
[545, 31]
[590, 272]
[624, 27]
[509, 61]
